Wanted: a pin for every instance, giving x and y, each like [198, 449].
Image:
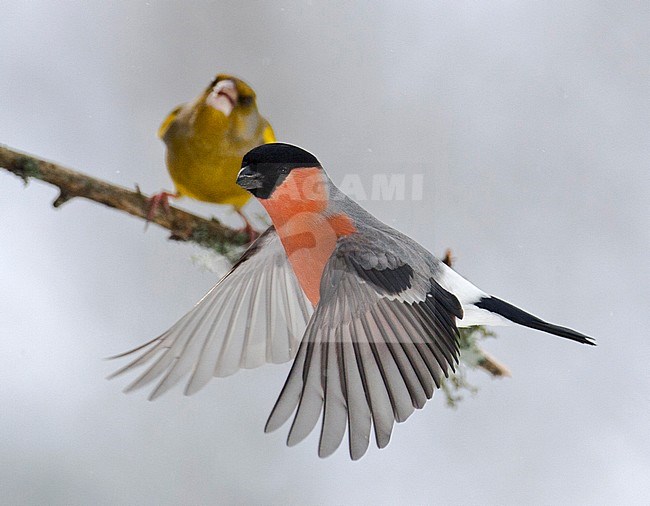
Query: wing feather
[358, 409]
[311, 397]
[335, 404]
[290, 395]
[378, 390]
[255, 314]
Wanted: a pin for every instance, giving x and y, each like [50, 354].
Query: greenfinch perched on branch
[206, 140]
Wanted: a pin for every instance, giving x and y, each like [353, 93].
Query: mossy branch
[207, 233]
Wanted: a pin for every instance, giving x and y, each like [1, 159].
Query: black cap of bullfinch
[265, 167]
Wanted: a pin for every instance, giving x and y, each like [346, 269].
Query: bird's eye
[245, 100]
[284, 170]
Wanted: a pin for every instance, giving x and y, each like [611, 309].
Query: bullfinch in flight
[369, 317]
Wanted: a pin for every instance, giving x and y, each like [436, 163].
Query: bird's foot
[159, 200]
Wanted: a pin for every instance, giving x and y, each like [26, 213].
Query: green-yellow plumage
[206, 140]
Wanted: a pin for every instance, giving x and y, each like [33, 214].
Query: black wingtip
[516, 315]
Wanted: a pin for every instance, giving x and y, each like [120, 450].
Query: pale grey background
[532, 123]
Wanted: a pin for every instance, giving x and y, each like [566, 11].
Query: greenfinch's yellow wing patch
[268, 135]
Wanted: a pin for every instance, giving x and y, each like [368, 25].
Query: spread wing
[255, 314]
[380, 341]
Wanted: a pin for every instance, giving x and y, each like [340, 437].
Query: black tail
[516, 315]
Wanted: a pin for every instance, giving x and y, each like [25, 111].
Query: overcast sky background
[531, 121]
